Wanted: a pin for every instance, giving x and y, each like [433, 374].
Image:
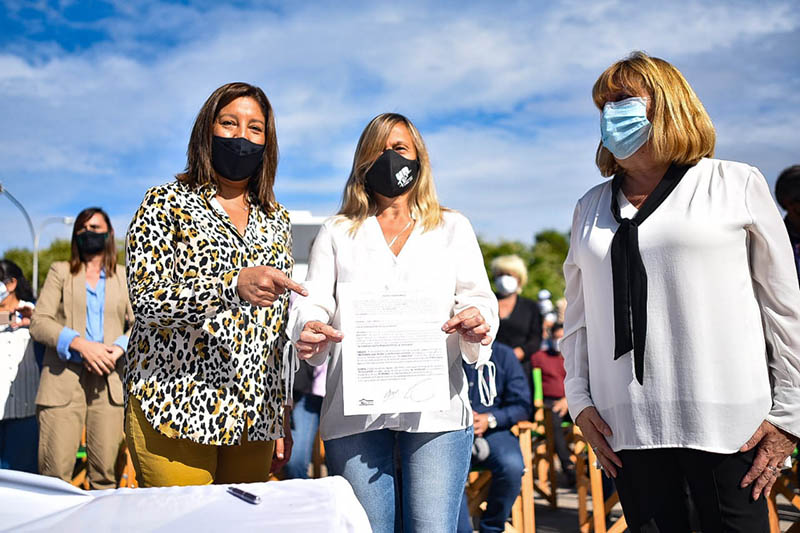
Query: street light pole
[14, 201]
[49, 220]
[34, 235]
[3, 190]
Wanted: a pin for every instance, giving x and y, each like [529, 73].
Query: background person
[83, 317]
[787, 192]
[520, 318]
[551, 362]
[309, 390]
[209, 260]
[493, 423]
[682, 326]
[19, 373]
[392, 232]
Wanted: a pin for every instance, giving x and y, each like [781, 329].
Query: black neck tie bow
[628, 272]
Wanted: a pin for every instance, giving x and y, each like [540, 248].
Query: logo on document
[403, 177]
[363, 402]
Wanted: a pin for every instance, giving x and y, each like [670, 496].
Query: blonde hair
[510, 264]
[682, 131]
[358, 204]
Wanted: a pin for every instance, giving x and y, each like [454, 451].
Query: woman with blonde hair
[391, 233]
[520, 319]
[683, 318]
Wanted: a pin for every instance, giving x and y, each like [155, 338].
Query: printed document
[394, 352]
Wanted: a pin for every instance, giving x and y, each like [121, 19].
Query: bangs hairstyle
[109, 252]
[682, 131]
[199, 170]
[358, 204]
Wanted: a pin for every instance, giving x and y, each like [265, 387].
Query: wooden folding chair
[545, 480]
[317, 457]
[79, 478]
[592, 486]
[523, 518]
[126, 473]
[784, 485]
[123, 469]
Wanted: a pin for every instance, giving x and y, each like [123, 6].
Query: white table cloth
[30, 502]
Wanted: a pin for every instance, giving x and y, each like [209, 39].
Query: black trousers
[560, 441]
[652, 487]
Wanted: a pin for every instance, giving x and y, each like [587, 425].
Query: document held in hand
[394, 352]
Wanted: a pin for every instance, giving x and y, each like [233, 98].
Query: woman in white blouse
[19, 373]
[682, 326]
[392, 234]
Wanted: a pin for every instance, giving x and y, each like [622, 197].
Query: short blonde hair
[510, 264]
[357, 204]
[682, 131]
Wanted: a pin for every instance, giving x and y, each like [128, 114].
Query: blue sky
[98, 98]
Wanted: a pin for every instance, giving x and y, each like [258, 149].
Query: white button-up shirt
[723, 316]
[444, 262]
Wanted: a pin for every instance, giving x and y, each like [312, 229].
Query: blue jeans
[505, 464]
[305, 421]
[432, 472]
[19, 444]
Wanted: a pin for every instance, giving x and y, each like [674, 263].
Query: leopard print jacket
[204, 364]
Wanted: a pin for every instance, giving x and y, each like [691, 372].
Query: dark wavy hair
[199, 170]
[787, 188]
[110, 251]
[10, 270]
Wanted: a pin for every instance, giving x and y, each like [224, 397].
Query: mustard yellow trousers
[161, 461]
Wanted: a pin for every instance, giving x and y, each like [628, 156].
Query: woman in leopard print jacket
[209, 260]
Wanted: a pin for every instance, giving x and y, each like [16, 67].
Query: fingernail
[280, 456]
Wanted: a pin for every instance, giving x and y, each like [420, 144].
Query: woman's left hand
[774, 446]
[471, 325]
[283, 447]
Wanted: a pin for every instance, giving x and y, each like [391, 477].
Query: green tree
[59, 250]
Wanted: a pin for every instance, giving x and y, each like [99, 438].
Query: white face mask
[3, 291]
[506, 285]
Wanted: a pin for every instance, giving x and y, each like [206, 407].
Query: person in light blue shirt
[83, 317]
[95, 300]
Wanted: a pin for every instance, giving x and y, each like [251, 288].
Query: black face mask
[391, 174]
[90, 242]
[235, 158]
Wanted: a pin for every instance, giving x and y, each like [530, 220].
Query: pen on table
[244, 495]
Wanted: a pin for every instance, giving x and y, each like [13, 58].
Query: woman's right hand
[263, 285]
[595, 430]
[97, 357]
[315, 338]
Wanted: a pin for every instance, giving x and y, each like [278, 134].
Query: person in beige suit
[83, 317]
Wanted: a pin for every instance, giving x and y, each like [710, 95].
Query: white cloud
[501, 93]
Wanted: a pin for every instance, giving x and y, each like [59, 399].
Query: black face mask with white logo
[391, 174]
[90, 242]
[235, 158]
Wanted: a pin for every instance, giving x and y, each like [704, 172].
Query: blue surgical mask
[624, 126]
[3, 291]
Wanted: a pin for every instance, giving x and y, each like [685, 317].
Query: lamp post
[14, 201]
[34, 235]
[63, 220]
